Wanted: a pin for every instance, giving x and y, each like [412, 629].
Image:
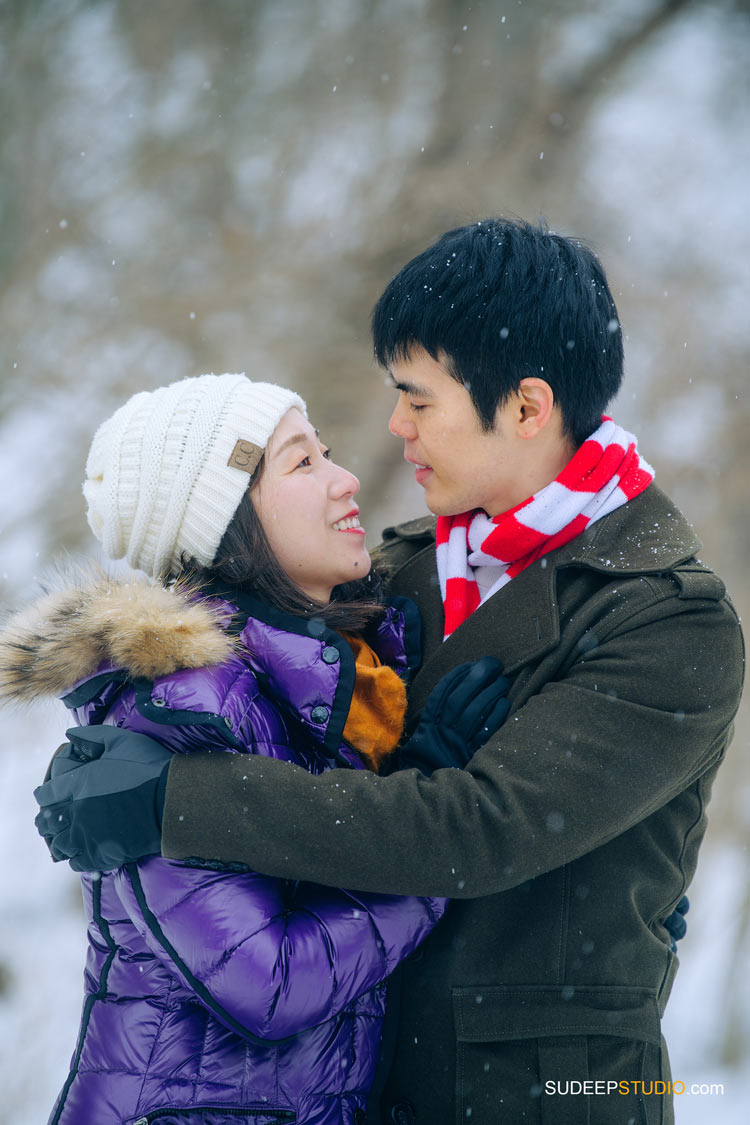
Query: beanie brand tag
[245, 456]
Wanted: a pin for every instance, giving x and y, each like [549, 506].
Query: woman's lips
[349, 524]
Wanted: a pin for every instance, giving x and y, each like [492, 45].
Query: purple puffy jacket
[221, 996]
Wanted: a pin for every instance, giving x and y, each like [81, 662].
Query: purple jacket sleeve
[270, 958]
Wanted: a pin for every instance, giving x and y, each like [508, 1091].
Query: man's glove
[675, 924]
[110, 812]
[461, 712]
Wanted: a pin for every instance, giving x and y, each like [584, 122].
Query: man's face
[459, 466]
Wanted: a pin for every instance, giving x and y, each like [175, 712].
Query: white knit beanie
[166, 473]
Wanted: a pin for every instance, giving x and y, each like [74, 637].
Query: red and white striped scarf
[604, 473]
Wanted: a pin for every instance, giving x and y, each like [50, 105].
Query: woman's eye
[416, 406]
[306, 462]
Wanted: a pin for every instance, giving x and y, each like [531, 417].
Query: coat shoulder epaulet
[698, 581]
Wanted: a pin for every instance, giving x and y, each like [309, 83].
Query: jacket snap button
[319, 714]
[330, 654]
[157, 702]
[403, 1114]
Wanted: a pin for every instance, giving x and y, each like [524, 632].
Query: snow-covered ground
[42, 933]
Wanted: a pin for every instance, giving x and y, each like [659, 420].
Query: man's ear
[535, 407]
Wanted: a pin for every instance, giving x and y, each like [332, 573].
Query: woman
[220, 995]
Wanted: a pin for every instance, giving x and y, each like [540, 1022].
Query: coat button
[330, 654]
[319, 714]
[402, 1113]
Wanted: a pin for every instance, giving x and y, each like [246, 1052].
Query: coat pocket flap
[498, 1013]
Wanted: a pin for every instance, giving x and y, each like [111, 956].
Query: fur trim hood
[99, 622]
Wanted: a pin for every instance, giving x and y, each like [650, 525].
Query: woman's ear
[535, 407]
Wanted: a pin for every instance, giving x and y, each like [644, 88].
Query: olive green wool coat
[565, 844]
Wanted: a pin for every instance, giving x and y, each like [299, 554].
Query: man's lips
[421, 471]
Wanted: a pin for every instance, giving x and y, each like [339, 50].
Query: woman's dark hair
[245, 561]
[499, 301]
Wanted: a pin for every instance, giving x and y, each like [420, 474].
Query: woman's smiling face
[305, 503]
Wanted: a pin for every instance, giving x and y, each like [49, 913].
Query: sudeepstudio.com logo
[600, 1087]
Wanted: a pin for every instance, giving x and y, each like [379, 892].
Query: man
[573, 833]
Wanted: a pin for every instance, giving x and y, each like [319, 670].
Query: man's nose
[400, 423]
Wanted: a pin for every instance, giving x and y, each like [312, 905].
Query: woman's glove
[676, 924]
[461, 712]
[109, 813]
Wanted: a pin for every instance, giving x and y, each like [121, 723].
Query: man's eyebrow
[411, 388]
[295, 439]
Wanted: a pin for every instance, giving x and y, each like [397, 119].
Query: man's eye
[417, 406]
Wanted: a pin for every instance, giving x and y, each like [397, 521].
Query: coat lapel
[520, 623]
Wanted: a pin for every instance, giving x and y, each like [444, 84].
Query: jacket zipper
[283, 1116]
[91, 998]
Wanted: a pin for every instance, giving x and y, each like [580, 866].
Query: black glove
[103, 801]
[675, 924]
[461, 712]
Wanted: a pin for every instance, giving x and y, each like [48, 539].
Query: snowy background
[187, 187]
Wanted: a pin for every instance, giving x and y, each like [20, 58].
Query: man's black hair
[501, 300]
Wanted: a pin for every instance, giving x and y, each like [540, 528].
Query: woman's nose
[344, 482]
